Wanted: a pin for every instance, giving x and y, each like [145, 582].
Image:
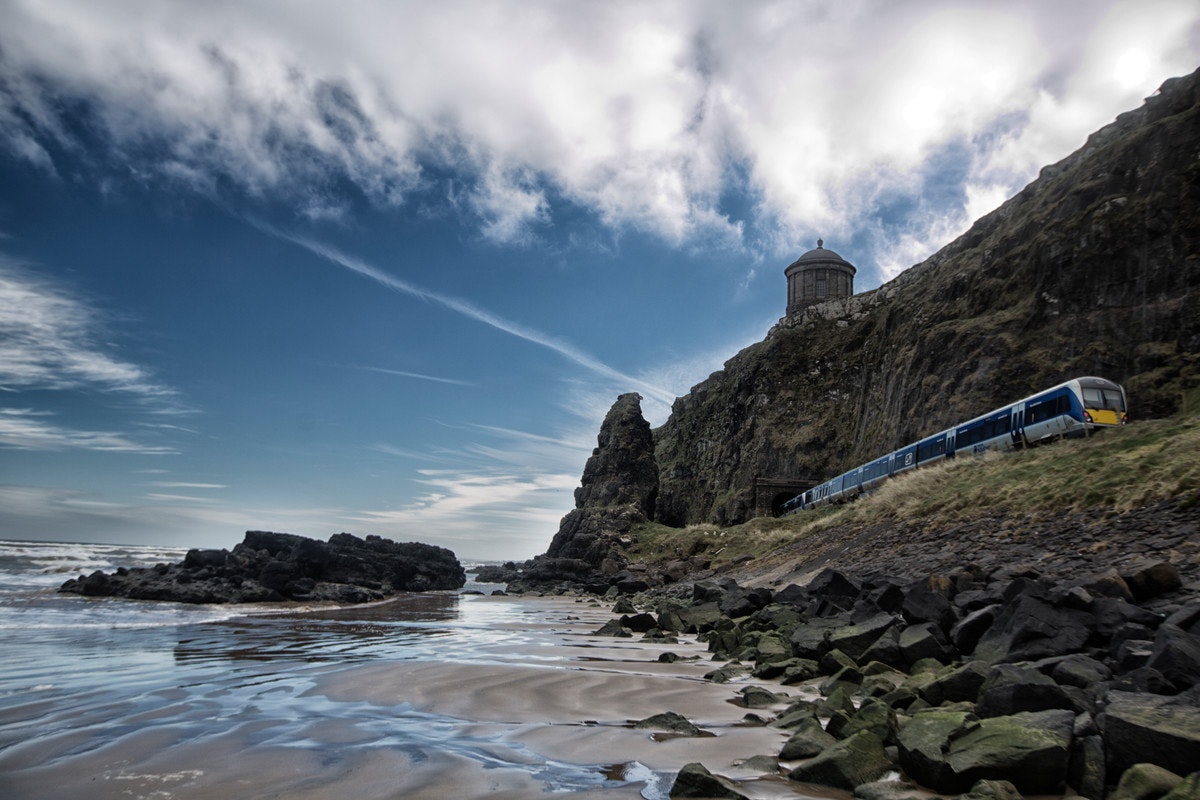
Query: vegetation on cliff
[1109, 475]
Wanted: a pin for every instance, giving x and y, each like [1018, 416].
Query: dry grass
[1121, 469]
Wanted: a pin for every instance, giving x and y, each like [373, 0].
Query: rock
[699, 618]
[1188, 789]
[833, 587]
[854, 639]
[621, 470]
[889, 790]
[1010, 689]
[1176, 656]
[1145, 782]
[624, 606]
[992, 790]
[925, 640]
[966, 633]
[694, 780]
[923, 602]
[729, 672]
[671, 722]
[811, 639]
[1031, 749]
[1154, 580]
[772, 649]
[1086, 772]
[1029, 628]
[1080, 671]
[808, 739]
[950, 751]
[618, 490]
[853, 761]
[922, 741]
[267, 567]
[1148, 728]
[758, 697]
[875, 716]
[1187, 617]
[639, 623]
[613, 628]
[960, 685]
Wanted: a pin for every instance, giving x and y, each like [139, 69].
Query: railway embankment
[1021, 624]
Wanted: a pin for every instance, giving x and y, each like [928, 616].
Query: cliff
[1092, 269]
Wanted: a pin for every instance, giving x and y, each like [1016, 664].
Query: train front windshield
[1105, 405]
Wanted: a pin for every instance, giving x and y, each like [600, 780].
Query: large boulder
[1176, 656]
[1153, 729]
[694, 780]
[950, 751]
[1145, 782]
[1030, 628]
[853, 761]
[1012, 688]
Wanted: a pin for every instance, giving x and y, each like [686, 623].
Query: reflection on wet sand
[432, 696]
[339, 634]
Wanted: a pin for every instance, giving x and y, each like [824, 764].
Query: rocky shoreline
[998, 682]
[269, 567]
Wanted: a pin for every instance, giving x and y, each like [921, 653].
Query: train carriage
[1074, 408]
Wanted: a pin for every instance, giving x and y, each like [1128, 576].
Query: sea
[95, 692]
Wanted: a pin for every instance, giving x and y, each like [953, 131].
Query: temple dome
[820, 255]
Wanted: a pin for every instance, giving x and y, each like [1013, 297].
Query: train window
[1093, 398]
[1000, 426]
[971, 434]
[1114, 400]
[932, 447]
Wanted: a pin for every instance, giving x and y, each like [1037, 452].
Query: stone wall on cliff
[1093, 269]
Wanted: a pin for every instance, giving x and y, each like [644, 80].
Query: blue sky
[383, 267]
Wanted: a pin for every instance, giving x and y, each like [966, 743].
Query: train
[1075, 408]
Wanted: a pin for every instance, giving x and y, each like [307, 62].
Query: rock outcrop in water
[270, 567]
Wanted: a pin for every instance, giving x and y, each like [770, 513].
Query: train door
[1018, 425]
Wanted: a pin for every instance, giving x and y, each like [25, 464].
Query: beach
[428, 695]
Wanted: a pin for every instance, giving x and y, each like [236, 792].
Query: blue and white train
[1072, 409]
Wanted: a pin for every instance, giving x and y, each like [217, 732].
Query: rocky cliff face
[618, 489]
[1093, 269]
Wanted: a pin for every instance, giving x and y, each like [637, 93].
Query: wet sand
[542, 707]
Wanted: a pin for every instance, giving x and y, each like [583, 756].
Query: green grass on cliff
[1119, 470]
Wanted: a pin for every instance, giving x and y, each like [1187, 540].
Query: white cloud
[51, 339]
[633, 111]
[27, 429]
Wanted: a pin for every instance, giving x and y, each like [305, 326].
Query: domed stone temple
[817, 276]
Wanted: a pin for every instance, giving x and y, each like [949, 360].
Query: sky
[382, 267]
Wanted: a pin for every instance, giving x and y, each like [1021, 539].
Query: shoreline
[544, 706]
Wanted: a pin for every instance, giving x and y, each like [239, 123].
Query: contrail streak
[468, 310]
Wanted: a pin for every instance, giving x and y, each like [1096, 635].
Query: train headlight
[1087, 417]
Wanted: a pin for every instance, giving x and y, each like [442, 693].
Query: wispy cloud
[27, 429]
[467, 309]
[415, 375]
[186, 485]
[50, 339]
